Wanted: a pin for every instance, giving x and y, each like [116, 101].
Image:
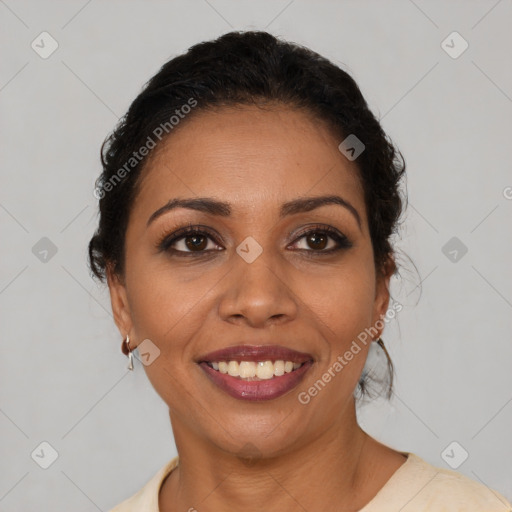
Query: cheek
[344, 304]
[169, 313]
[168, 306]
[344, 300]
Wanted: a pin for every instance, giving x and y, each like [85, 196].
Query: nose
[258, 293]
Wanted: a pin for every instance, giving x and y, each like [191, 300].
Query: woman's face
[254, 278]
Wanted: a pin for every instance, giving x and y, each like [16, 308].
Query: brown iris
[317, 241]
[196, 242]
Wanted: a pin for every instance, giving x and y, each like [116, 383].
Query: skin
[313, 456]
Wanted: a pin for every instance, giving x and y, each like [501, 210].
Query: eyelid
[317, 227]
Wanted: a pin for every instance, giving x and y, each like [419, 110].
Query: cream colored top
[416, 486]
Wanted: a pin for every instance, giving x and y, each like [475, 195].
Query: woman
[247, 203]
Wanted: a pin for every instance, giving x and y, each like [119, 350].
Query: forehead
[255, 158]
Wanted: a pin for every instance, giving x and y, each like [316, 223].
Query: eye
[317, 239]
[191, 239]
[195, 242]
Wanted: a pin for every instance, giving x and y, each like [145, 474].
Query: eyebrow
[220, 208]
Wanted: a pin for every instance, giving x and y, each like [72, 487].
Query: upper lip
[256, 353]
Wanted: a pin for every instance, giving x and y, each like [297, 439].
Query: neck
[336, 470]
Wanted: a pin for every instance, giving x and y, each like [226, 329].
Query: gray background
[63, 377]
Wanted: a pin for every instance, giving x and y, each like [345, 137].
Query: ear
[381, 302]
[119, 302]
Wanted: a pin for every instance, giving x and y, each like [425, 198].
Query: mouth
[249, 372]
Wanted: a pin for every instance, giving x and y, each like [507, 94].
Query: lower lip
[256, 390]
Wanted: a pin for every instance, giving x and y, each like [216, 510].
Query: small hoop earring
[380, 342]
[125, 347]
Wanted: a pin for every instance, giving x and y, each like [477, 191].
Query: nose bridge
[257, 288]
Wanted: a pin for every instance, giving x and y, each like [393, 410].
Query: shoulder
[440, 489]
[147, 498]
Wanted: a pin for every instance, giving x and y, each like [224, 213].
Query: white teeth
[247, 369]
[233, 368]
[265, 370]
[279, 368]
[261, 370]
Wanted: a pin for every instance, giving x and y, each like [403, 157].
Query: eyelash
[167, 241]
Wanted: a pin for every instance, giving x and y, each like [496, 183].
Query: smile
[256, 373]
